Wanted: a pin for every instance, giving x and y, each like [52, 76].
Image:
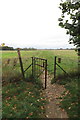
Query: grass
[69, 58]
[17, 94]
[22, 99]
[70, 97]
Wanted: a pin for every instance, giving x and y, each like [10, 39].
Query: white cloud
[31, 23]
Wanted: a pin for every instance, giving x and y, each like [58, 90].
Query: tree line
[11, 48]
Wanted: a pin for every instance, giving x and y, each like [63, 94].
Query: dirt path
[53, 91]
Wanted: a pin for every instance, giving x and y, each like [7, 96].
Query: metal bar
[41, 72]
[32, 66]
[45, 74]
[27, 68]
[39, 65]
[39, 58]
[21, 64]
[62, 68]
[55, 67]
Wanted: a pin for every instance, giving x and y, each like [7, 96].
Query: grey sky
[32, 23]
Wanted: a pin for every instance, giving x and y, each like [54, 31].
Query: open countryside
[26, 98]
[40, 59]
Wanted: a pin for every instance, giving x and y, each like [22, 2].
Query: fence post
[55, 67]
[21, 65]
[45, 74]
[32, 67]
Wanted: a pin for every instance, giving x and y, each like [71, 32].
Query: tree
[3, 44]
[70, 20]
[6, 48]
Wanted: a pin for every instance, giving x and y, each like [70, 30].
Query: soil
[51, 94]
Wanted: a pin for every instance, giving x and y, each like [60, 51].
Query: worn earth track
[51, 93]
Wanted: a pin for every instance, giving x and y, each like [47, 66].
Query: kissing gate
[39, 65]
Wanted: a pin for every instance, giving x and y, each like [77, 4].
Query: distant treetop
[3, 44]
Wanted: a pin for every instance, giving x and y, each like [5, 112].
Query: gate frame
[44, 66]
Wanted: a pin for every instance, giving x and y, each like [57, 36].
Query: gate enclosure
[39, 65]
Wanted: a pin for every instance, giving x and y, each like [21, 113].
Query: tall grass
[68, 59]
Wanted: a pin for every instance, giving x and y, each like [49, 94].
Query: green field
[68, 59]
[14, 86]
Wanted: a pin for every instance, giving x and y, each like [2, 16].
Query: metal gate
[39, 66]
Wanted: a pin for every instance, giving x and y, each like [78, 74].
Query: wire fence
[11, 69]
[66, 67]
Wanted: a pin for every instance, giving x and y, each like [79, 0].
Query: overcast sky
[32, 23]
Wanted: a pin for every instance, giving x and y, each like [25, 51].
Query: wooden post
[55, 67]
[21, 65]
[45, 74]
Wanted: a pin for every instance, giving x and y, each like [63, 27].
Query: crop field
[18, 93]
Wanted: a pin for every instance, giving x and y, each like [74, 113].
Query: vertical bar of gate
[45, 74]
[55, 66]
[21, 64]
[32, 66]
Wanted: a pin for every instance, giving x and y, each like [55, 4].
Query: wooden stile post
[21, 65]
[55, 67]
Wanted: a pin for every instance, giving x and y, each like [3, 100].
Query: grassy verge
[22, 100]
[70, 97]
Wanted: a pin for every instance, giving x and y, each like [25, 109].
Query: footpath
[52, 93]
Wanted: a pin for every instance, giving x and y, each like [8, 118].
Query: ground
[52, 93]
